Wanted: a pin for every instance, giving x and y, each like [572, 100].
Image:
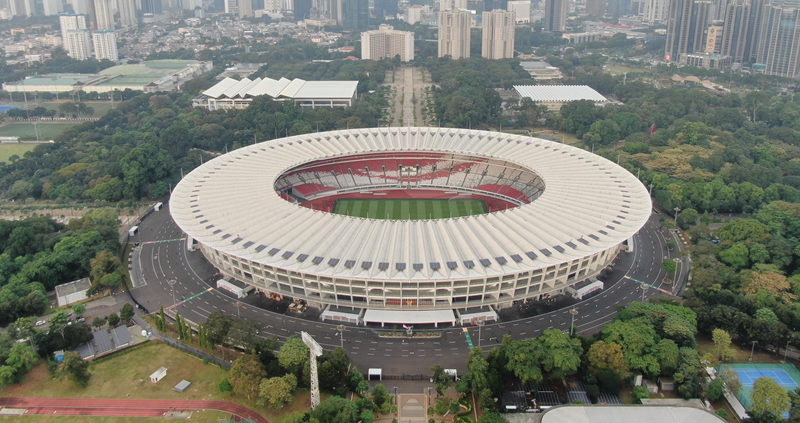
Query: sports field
[409, 209]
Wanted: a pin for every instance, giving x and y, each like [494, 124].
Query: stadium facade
[557, 216]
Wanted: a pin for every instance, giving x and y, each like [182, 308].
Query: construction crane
[315, 351]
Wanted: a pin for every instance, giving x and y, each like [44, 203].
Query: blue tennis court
[749, 376]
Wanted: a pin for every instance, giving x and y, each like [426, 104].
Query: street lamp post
[644, 289]
[677, 209]
[480, 324]
[752, 349]
[238, 306]
[786, 350]
[341, 329]
[573, 312]
[172, 283]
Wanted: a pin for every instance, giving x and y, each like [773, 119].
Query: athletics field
[409, 209]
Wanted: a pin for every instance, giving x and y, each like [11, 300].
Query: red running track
[125, 407]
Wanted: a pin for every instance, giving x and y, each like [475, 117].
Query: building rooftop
[73, 287]
[559, 93]
[282, 88]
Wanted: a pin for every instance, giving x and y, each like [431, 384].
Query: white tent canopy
[409, 317]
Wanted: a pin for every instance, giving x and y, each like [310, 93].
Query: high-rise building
[521, 9]
[718, 9]
[104, 14]
[232, 7]
[52, 7]
[454, 33]
[555, 15]
[595, 8]
[355, 14]
[735, 41]
[655, 11]
[779, 41]
[81, 7]
[245, 8]
[77, 44]
[22, 7]
[386, 9]
[714, 39]
[154, 7]
[490, 5]
[127, 13]
[105, 45]
[686, 27]
[302, 9]
[71, 22]
[498, 35]
[387, 42]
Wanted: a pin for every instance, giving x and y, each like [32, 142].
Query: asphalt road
[164, 256]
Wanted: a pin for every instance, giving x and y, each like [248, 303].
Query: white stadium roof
[558, 93]
[282, 88]
[589, 205]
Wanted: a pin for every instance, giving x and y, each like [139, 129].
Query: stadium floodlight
[315, 351]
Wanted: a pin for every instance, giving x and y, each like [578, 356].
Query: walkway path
[412, 408]
[125, 407]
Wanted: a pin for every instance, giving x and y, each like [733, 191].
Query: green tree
[669, 266]
[113, 320]
[603, 356]
[277, 391]
[715, 390]
[562, 353]
[217, 327]
[58, 323]
[640, 393]
[768, 398]
[78, 309]
[766, 314]
[98, 322]
[76, 368]
[722, 343]
[126, 312]
[380, 395]
[293, 354]
[245, 376]
[441, 379]
[336, 409]
[225, 386]
[104, 263]
[738, 256]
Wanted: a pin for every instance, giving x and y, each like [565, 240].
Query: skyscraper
[355, 14]
[779, 41]
[595, 8]
[555, 15]
[735, 42]
[454, 33]
[498, 35]
[302, 9]
[386, 8]
[655, 11]
[686, 26]
[387, 42]
[232, 7]
[245, 8]
[153, 7]
[104, 14]
[127, 13]
[490, 5]
[22, 7]
[105, 45]
[52, 7]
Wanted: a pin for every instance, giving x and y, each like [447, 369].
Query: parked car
[41, 323]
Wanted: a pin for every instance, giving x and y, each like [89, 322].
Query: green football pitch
[409, 209]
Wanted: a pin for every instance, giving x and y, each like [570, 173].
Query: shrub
[225, 386]
[722, 413]
[715, 390]
[640, 393]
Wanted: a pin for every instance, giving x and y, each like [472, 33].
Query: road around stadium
[164, 256]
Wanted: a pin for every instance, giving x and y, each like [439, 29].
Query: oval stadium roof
[589, 205]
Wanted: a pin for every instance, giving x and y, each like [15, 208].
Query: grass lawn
[127, 376]
[8, 150]
[100, 107]
[197, 416]
[562, 137]
[620, 69]
[47, 131]
[409, 209]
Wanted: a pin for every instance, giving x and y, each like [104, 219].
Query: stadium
[410, 225]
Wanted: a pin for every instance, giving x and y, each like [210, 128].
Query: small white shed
[158, 375]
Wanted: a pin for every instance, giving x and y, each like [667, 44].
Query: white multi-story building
[245, 9]
[78, 45]
[415, 12]
[105, 45]
[52, 7]
[498, 35]
[654, 11]
[521, 9]
[75, 36]
[454, 33]
[386, 42]
[232, 7]
[22, 7]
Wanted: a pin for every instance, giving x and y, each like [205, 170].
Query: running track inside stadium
[124, 407]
